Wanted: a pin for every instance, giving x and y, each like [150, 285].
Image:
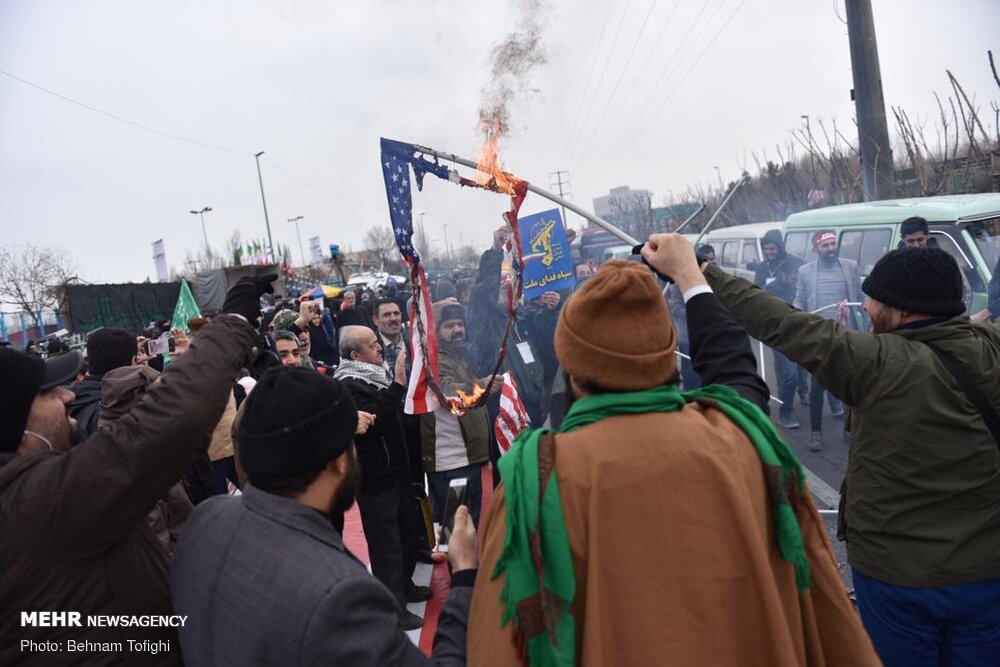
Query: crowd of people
[651, 513]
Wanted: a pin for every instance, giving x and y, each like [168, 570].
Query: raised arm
[103, 488]
[844, 361]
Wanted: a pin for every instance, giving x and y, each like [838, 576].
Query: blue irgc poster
[548, 266]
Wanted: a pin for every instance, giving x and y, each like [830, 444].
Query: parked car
[737, 248]
[966, 226]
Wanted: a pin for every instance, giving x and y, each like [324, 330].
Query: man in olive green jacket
[921, 501]
[454, 447]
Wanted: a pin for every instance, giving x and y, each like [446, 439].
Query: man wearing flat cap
[265, 579]
[920, 505]
[657, 527]
[73, 535]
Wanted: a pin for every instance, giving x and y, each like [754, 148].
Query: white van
[737, 249]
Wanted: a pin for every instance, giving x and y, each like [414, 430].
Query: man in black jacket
[779, 275]
[107, 349]
[73, 535]
[385, 499]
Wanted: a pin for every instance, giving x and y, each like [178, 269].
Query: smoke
[513, 61]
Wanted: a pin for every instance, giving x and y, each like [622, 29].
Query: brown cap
[615, 331]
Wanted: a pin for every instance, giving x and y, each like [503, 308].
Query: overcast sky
[647, 94]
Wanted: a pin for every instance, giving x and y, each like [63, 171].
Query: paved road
[825, 469]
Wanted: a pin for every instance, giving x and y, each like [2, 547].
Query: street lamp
[267, 222]
[447, 249]
[202, 213]
[299, 235]
[718, 172]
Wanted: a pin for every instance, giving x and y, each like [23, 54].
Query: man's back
[672, 539]
[265, 580]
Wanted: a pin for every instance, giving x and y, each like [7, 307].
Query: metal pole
[447, 251]
[689, 219]
[267, 222]
[708, 225]
[302, 254]
[603, 224]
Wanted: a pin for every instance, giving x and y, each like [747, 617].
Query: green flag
[186, 308]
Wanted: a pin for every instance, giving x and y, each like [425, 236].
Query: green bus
[966, 226]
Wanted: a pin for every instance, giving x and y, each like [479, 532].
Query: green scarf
[540, 583]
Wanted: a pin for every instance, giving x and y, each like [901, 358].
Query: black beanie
[22, 375]
[295, 421]
[451, 311]
[925, 281]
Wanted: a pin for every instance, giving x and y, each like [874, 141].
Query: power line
[653, 115]
[590, 102]
[123, 120]
[316, 187]
[621, 75]
[667, 69]
[177, 137]
[590, 77]
[623, 105]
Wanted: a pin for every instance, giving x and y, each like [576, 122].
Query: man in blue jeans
[920, 505]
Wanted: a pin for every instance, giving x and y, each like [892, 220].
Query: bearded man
[657, 527]
[265, 579]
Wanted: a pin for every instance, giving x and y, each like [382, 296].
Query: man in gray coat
[265, 579]
[823, 284]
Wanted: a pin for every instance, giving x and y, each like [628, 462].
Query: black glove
[244, 297]
[637, 250]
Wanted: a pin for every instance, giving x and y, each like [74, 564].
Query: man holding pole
[920, 506]
[823, 286]
[710, 500]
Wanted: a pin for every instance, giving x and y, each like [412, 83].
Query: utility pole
[559, 183]
[270, 242]
[877, 176]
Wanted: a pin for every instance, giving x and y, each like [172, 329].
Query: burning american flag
[422, 393]
[513, 417]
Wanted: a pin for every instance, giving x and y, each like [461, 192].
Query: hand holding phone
[457, 491]
[158, 346]
[463, 554]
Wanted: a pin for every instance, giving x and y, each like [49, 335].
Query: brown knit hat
[615, 331]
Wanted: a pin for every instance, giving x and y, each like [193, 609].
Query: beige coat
[222, 436]
[676, 561]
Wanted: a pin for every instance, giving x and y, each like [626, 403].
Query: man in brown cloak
[657, 527]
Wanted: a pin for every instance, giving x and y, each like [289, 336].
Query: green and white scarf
[536, 555]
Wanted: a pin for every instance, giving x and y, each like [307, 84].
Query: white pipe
[604, 224]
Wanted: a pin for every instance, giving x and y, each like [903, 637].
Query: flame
[460, 403]
[491, 175]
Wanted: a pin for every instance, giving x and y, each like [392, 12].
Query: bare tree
[380, 241]
[31, 278]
